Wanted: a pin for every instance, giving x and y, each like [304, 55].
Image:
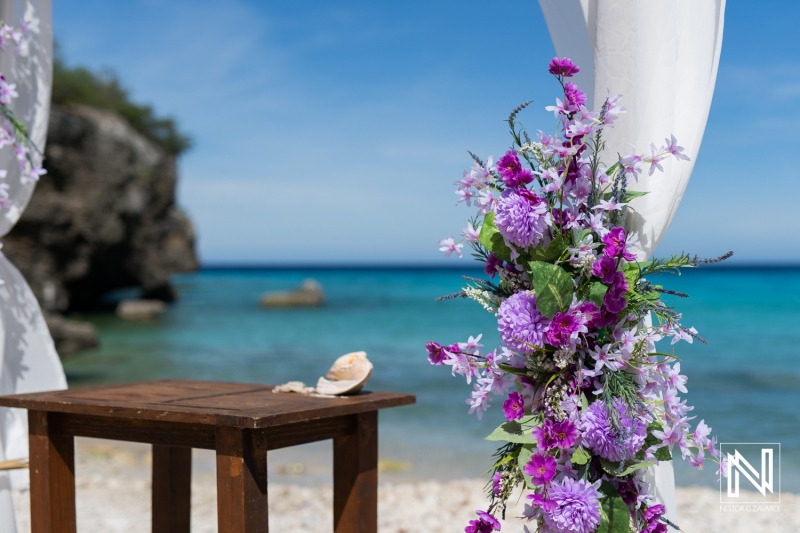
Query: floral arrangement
[589, 402]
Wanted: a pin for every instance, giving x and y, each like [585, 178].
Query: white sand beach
[113, 483]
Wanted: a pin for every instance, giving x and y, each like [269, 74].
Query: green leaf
[490, 237]
[580, 457]
[612, 169]
[525, 454]
[630, 195]
[636, 466]
[512, 432]
[553, 287]
[518, 431]
[663, 454]
[504, 460]
[552, 251]
[610, 467]
[596, 293]
[615, 517]
[584, 402]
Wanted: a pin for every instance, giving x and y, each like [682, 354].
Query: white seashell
[348, 375]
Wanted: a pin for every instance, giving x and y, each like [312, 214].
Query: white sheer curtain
[28, 359]
[662, 56]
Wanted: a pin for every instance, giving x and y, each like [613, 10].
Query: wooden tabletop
[211, 403]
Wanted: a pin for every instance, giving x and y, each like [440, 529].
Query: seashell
[348, 375]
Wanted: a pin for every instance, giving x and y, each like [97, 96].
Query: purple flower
[600, 435]
[493, 264]
[574, 96]
[555, 434]
[521, 325]
[614, 300]
[604, 268]
[538, 500]
[577, 507]
[485, 523]
[564, 433]
[562, 327]
[563, 67]
[514, 406]
[497, 483]
[615, 245]
[541, 468]
[435, 353]
[654, 512]
[521, 217]
[511, 170]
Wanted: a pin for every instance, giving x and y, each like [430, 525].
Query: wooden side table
[240, 421]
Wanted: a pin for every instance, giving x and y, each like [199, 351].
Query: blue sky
[331, 132]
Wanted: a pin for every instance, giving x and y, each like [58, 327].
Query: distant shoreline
[419, 267]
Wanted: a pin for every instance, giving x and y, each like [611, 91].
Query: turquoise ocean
[745, 383]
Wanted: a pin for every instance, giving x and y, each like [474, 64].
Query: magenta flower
[514, 406]
[563, 67]
[562, 327]
[485, 523]
[564, 433]
[493, 264]
[538, 500]
[541, 468]
[614, 300]
[605, 268]
[511, 170]
[435, 353]
[574, 96]
[497, 483]
[616, 245]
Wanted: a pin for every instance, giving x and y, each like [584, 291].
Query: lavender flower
[600, 435]
[577, 507]
[521, 325]
[521, 217]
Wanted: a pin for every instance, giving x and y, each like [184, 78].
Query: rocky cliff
[103, 217]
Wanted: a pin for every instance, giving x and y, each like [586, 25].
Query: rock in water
[104, 217]
[71, 336]
[309, 294]
[141, 310]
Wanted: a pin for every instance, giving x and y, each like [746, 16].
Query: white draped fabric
[28, 359]
[662, 56]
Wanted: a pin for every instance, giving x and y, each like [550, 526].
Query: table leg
[355, 477]
[52, 471]
[172, 480]
[241, 480]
